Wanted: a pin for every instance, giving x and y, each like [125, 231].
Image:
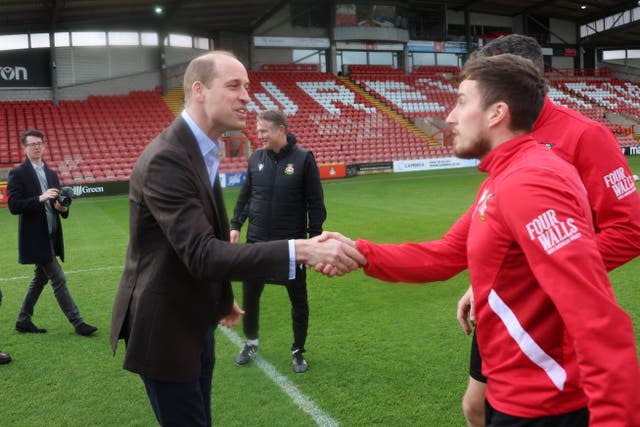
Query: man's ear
[498, 112]
[196, 89]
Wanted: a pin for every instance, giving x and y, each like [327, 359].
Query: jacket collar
[291, 141]
[547, 109]
[32, 172]
[500, 157]
[187, 140]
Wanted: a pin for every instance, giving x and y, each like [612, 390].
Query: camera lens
[65, 196]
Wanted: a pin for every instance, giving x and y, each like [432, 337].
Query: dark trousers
[475, 361]
[41, 275]
[185, 403]
[297, 289]
[495, 418]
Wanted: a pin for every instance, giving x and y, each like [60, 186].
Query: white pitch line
[301, 400]
[86, 270]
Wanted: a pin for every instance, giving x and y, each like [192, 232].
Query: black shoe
[85, 329]
[245, 355]
[28, 326]
[300, 365]
[4, 358]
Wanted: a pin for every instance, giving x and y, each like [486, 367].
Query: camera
[65, 196]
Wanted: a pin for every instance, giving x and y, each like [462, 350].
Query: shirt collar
[37, 167]
[205, 143]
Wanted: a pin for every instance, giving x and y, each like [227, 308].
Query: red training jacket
[604, 171]
[551, 336]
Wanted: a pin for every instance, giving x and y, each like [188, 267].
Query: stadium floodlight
[584, 6]
[158, 10]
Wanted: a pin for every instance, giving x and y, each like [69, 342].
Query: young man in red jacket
[556, 348]
[615, 204]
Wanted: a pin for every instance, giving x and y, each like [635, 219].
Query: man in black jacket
[282, 196]
[33, 194]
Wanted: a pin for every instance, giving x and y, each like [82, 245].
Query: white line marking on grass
[303, 402]
[86, 270]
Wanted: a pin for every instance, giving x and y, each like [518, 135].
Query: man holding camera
[34, 195]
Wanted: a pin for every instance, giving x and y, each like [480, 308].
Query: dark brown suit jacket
[175, 285]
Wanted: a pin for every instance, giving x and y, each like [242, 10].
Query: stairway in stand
[174, 99]
[380, 106]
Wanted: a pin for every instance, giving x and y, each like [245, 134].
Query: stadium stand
[613, 102]
[425, 92]
[367, 117]
[335, 122]
[174, 99]
[98, 139]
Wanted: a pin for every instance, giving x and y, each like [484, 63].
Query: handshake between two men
[330, 253]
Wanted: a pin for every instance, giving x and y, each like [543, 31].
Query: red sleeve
[419, 262]
[555, 232]
[612, 194]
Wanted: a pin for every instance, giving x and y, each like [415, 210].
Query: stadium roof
[570, 10]
[207, 17]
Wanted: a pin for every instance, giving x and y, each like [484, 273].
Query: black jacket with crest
[282, 195]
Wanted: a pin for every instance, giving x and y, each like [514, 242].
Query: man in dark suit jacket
[175, 286]
[33, 194]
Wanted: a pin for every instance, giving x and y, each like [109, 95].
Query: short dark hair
[276, 117]
[513, 80]
[515, 44]
[31, 132]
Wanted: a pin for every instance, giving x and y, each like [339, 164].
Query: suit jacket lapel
[222, 211]
[49, 174]
[217, 203]
[32, 175]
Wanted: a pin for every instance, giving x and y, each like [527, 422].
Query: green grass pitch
[379, 354]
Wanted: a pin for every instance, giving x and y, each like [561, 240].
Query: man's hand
[326, 235]
[328, 269]
[59, 207]
[51, 193]
[233, 318]
[329, 256]
[234, 236]
[466, 314]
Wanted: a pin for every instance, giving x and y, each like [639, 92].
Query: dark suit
[33, 234]
[35, 244]
[175, 285]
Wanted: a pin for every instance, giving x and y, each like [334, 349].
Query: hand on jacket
[234, 236]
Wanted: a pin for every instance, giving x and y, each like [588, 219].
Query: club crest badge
[260, 166]
[481, 206]
[289, 169]
[482, 209]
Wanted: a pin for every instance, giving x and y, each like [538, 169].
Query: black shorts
[495, 418]
[475, 361]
